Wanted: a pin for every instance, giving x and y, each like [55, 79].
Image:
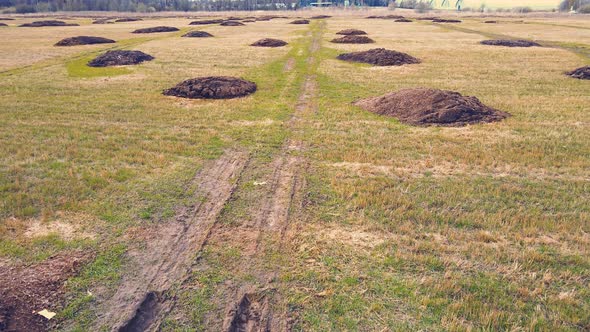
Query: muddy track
[146, 295]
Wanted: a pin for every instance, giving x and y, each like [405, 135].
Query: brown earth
[300, 22]
[351, 32]
[428, 107]
[120, 58]
[128, 19]
[156, 29]
[49, 23]
[83, 40]
[203, 22]
[269, 42]
[582, 73]
[212, 87]
[353, 40]
[444, 20]
[510, 43]
[380, 57]
[403, 20]
[197, 34]
[26, 290]
[231, 24]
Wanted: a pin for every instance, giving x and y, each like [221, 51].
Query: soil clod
[231, 24]
[212, 87]
[582, 73]
[353, 40]
[351, 32]
[300, 22]
[83, 40]
[380, 57]
[269, 42]
[510, 43]
[120, 58]
[49, 23]
[428, 107]
[198, 34]
[156, 29]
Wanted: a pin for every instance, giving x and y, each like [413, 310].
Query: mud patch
[231, 24]
[120, 58]
[351, 32]
[428, 107]
[353, 40]
[145, 314]
[197, 34]
[509, 43]
[250, 315]
[212, 87]
[49, 23]
[83, 40]
[380, 57]
[26, 290]
[269, 42]
[299, 22]
[582, 73]
[156, 29]
[204, 22]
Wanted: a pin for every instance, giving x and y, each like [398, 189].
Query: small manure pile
[431, 107]
[444, 20]
[300, 22]
[156, 29]
[510, 43]
[83, 40]
[269, 42]
[490, 22]
[380, 57]
[385, 17]
[231, 24]
[351, 32]
[213, 87]
[353, 40]
[319, 17]
[120, 58]
[203, 22]
[3, 24]
[403, 20]
[197, 34]
[49, 23]
[582, 73]
[128, 19]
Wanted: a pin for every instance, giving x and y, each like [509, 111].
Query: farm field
[292, 208]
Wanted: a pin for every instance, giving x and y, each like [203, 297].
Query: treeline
[32, 6]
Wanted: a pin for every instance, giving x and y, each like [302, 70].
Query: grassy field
[390, 227]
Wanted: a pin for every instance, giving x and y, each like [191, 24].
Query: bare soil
[269, 42]
[156, 29]
[26, 290]
[204, 22]
[49, 23]
[197, 34]
[380, 57]
[120, 58]
[351, 32]
[444, 20]
[212, 87]
[428, 107]
[231, 24]
[353, 40]
[510, 43]
[300, 22]
[83, 40]
[582, 73]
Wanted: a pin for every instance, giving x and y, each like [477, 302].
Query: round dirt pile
[510, 43]
[403, 20]
[3, 25]
[203, 22]
[231, 24]
[50, 23]
[128, 19]
[6, 19]
[214, 87]
[428, 107]
[351, 32]
[353, 40]
[120, 58]
[427, 18]
[582, 73]
[443, 20]
[490, 22]
[319, 17]
[156, 29]
[386, 17]
[198, 34]
[83, 40]
[269, 42]
[300, 22]
[380, 57]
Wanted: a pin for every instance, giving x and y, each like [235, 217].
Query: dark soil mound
[582, 73]
[380, 57]
[300, 22]
[443, 20]
[319, 17]
[403, 20]
[197, 34]
[83, 40]
[351, 32]
[231, 23]
[427, 18]
[120, 58]
[102, 21]
[249, 20]
[490, 22]
[214, 87]
[269, 42]
[203, 22]
[26, 290]
[386, 17]
[128, 19]
[3, 25]
[156, 29]
[233, 18]
[353, 40]
[510, 43]
[427, 107]
[50, 23]
[6, 19]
